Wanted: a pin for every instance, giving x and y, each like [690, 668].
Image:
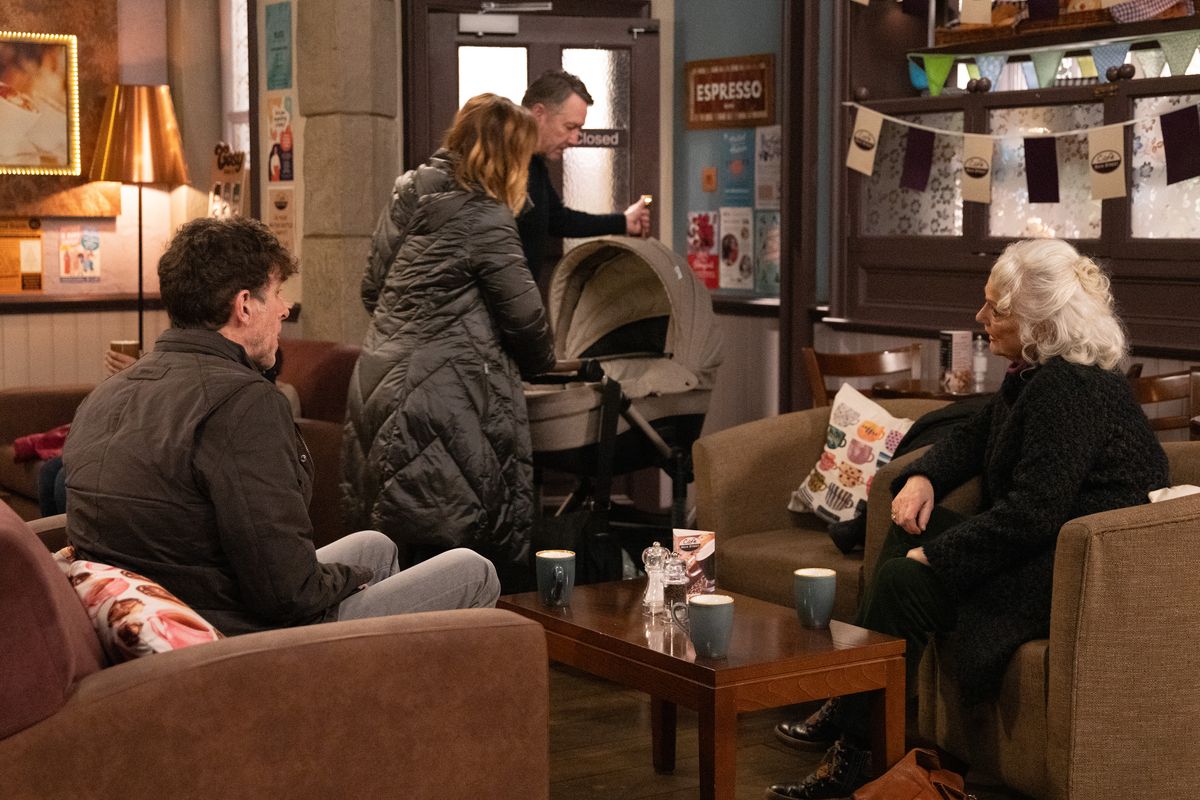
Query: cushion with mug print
[133, 616]
[862, 436]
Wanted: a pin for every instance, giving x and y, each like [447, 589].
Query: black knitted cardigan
[1056, 442]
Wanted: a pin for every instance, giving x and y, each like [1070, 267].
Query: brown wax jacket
[188, 469]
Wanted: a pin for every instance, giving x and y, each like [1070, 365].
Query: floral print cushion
[861, 438]
[133, 616]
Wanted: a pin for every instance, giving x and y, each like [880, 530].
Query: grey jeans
[458, 578]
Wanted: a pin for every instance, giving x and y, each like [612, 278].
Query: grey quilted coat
[436, 450]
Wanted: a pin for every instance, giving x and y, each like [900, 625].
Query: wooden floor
[600, 747]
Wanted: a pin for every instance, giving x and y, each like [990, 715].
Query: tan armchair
[1103, 708]
[744, 478]
[441, 704]
[25, 411]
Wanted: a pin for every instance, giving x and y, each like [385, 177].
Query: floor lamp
[139, 143]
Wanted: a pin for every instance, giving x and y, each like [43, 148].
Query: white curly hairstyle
[1062, 302]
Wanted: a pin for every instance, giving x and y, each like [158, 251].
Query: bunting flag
[1181, 132]
[1106, 165]
[990, 66]
[864, 141]
[1152, 61]
[973, 70]
[937, 69]
[1041, 168]
[918, 159]
[1109, 55]
[1031, 80]
[1179, 48]
[916, 75]
[977, 168]
[1045, 63]
[1087, 66]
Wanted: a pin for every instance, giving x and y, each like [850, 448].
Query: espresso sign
[736, 92]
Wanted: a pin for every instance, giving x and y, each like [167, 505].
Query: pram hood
[606, 283]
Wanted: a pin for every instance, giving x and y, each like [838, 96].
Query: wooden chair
[1182, 385]
[819, 366]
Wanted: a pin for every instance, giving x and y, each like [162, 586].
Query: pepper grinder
[654, 558]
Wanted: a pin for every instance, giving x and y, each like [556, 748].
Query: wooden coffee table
[772, 661]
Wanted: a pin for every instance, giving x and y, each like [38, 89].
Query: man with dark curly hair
[186, 467]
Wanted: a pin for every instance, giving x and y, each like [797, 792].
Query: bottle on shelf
[979, 360]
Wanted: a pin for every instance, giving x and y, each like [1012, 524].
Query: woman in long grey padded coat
[436, 451]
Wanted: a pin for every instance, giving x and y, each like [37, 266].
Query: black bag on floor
[585, 530]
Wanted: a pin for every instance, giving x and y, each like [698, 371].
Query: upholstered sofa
[1100, 709]
[744, 477]
[317, 372]
[432, 705]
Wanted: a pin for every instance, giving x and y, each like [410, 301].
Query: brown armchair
[1102, 708]
[24, 411]
[744, 478]
[405, 706]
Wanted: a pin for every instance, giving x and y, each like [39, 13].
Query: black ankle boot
[815, 733]
[844, 769]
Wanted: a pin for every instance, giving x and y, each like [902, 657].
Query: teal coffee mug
[555, 576]
[710, 623]
[814, 589]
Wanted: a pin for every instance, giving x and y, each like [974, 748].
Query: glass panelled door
[619, 66]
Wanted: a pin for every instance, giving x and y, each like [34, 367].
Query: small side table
[923, 388]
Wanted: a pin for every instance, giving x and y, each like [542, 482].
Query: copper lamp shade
[139, 138]
[139, 143]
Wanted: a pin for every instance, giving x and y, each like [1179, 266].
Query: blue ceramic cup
[814, 589]
[710, 622]
[555, 576]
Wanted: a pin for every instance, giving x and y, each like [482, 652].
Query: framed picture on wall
[39, 104]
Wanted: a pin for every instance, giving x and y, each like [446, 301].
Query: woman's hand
[114, 362]
[913, 504]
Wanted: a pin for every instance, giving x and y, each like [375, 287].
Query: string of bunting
[1174, 50]
[1106, 153]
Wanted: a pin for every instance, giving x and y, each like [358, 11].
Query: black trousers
[903, 598]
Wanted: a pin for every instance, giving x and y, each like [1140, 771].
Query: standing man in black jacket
[559, 102]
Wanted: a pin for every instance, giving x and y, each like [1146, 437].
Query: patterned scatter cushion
[862, 437]
[132, 615]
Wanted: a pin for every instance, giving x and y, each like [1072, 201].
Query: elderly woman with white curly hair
[1062, 438]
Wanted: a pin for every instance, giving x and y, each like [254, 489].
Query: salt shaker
[654, 558]
[675, 585]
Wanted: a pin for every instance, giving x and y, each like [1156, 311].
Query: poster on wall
[228, 181]
[766, 253]
[279, 46]
[281, 215]
[737, 168]
[280, 159]
[768, 165]
[737, 248]
[20, 258]
[702, 255]
[78, 255]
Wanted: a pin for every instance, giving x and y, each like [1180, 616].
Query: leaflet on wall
[737, 168]
[768, 165]
[766, 252]
[228, 181]
[78, 255]
[281, 215]
[702, 232]
[737, 248]
[279, 125]
[1105, 161]
[278, 38]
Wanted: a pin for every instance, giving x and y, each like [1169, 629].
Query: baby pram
[638, 350]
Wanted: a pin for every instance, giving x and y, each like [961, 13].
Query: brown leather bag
[917, 776]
